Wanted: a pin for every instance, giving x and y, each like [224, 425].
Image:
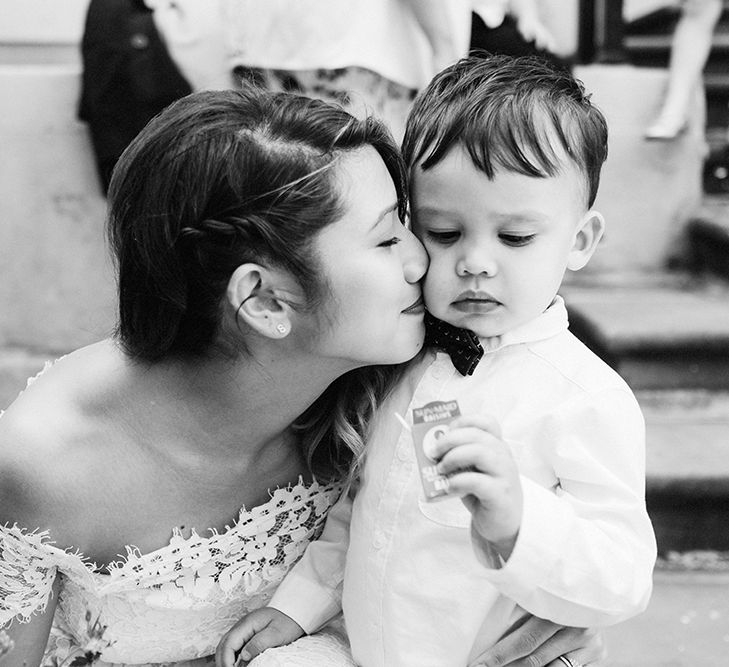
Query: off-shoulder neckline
[133, 561]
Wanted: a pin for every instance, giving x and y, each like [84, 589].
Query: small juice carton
[429, 423]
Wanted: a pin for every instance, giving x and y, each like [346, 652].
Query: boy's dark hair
[507, 112]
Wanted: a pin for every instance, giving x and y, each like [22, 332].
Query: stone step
[663, 20]
[659, 332]
[644, 46]
[709, 241]
[687, 468]
[686, 623]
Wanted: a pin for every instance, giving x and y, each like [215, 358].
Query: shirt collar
[550, 323]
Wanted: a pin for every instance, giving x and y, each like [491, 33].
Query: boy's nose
[476, 261]
[415, 259]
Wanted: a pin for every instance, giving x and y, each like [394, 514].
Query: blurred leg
[690, 49]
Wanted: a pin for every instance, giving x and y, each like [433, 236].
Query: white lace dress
[174, 604]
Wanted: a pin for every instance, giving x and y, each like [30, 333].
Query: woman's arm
[30, 638]
[29, 582]
[538, 643]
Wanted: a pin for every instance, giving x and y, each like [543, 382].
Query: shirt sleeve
[27, 573]
[585, 552]
[311, 593]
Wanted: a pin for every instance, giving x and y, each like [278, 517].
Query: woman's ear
[588, 235]
[252, 293]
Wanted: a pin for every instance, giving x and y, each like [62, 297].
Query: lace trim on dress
[27, 572]
[264, 539]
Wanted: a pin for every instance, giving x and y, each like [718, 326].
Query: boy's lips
[475, 302]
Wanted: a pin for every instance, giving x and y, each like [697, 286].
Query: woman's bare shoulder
[44, 449]
[31, 472]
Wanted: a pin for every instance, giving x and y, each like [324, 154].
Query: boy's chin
[480, 325]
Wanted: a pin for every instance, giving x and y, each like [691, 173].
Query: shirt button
[403, 451]
[379, 541]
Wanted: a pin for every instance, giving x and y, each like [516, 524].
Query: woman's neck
[227, 397]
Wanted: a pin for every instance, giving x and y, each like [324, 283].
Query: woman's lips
[416, 308]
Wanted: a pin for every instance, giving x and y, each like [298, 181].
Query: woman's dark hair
[522, 114]
[218, 179]
[221, 178]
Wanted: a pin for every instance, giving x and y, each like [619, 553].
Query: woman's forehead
[365, 184]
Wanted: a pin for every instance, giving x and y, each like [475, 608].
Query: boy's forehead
[458, 160]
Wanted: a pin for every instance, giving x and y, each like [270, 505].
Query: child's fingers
[224, 655]
[464, 435]
[260, 642]
[281, 630]
[484, 422]
[236, 637]
[230, 644]
[483, 487]
[474, 457]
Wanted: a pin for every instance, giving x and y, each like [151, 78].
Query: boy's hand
[482, 470]
[261, 629]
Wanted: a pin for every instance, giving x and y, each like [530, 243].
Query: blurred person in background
[690, 47]
[369, 56]
[128, 77]
[512, 28]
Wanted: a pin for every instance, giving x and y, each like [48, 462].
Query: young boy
[545, 512]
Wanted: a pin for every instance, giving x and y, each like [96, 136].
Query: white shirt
[417, 590]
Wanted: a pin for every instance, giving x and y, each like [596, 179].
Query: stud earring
[281, 328]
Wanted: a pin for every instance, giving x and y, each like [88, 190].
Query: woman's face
[372, 265]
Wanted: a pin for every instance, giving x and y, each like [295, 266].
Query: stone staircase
[668, 336]
[663, 323]
[667, 333]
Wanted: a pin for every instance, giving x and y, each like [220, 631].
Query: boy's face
[498, 248]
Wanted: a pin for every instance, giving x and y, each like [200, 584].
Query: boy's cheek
[441, 271]
[435, 295]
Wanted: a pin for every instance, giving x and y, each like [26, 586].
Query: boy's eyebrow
[522, 216]
[430, 209]
[382, 215]
[502, 218]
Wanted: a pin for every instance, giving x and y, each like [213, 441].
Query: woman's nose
[414, 257]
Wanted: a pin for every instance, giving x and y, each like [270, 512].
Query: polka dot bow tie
[462, 345]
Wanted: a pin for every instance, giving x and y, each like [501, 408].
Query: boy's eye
[444, 238]
[390, 242]
[517, 239]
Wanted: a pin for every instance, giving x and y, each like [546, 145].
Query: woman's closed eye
[389, 242]
[516, 240]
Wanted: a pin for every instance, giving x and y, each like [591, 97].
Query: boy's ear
[252, 293]
[588, 235]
